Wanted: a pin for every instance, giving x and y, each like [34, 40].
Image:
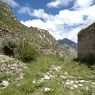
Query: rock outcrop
[86, 44]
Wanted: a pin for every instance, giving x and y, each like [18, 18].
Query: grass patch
[39, 67]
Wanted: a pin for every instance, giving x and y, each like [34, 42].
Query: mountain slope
[9, 22]
[11, 28]
[68, 43]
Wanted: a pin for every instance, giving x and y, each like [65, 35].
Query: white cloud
[81, 4]
[58, 3]
[12, 3]
[25, 10]
[38, 13]
[78, 4]
[36, 23]
[65, 24]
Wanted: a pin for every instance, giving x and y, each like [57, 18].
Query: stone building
[86, 44]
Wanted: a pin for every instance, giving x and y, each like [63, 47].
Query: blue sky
[35, 4]
[62, 18]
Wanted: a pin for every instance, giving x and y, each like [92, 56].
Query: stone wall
[86, 44]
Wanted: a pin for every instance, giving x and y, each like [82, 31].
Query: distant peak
[68, 43]
[65, 39]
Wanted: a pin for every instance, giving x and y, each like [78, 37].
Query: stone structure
[86, 44]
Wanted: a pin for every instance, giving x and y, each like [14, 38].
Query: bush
[8, 47]
[26, 52]
[23, 50]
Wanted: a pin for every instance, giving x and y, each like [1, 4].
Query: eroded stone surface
[86, 44]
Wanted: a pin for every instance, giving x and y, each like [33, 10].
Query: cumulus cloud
[78, 4]
[58, 3]
[35, 23]
[25, 10]
[65, 24]
[81, 4]
[38, 13]
[12, 3]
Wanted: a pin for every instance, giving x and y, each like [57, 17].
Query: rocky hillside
[68, 43]
[11, 28]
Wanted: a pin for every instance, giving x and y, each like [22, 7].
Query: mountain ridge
[11, 28]
[68, 43]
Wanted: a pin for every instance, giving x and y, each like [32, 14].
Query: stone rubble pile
[12, 67]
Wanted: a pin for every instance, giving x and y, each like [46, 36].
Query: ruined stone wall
[86, 44]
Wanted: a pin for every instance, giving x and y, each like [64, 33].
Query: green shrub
[26, 52]
[23, 50]
[8, 47]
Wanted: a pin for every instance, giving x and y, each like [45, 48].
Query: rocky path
[65, 80]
